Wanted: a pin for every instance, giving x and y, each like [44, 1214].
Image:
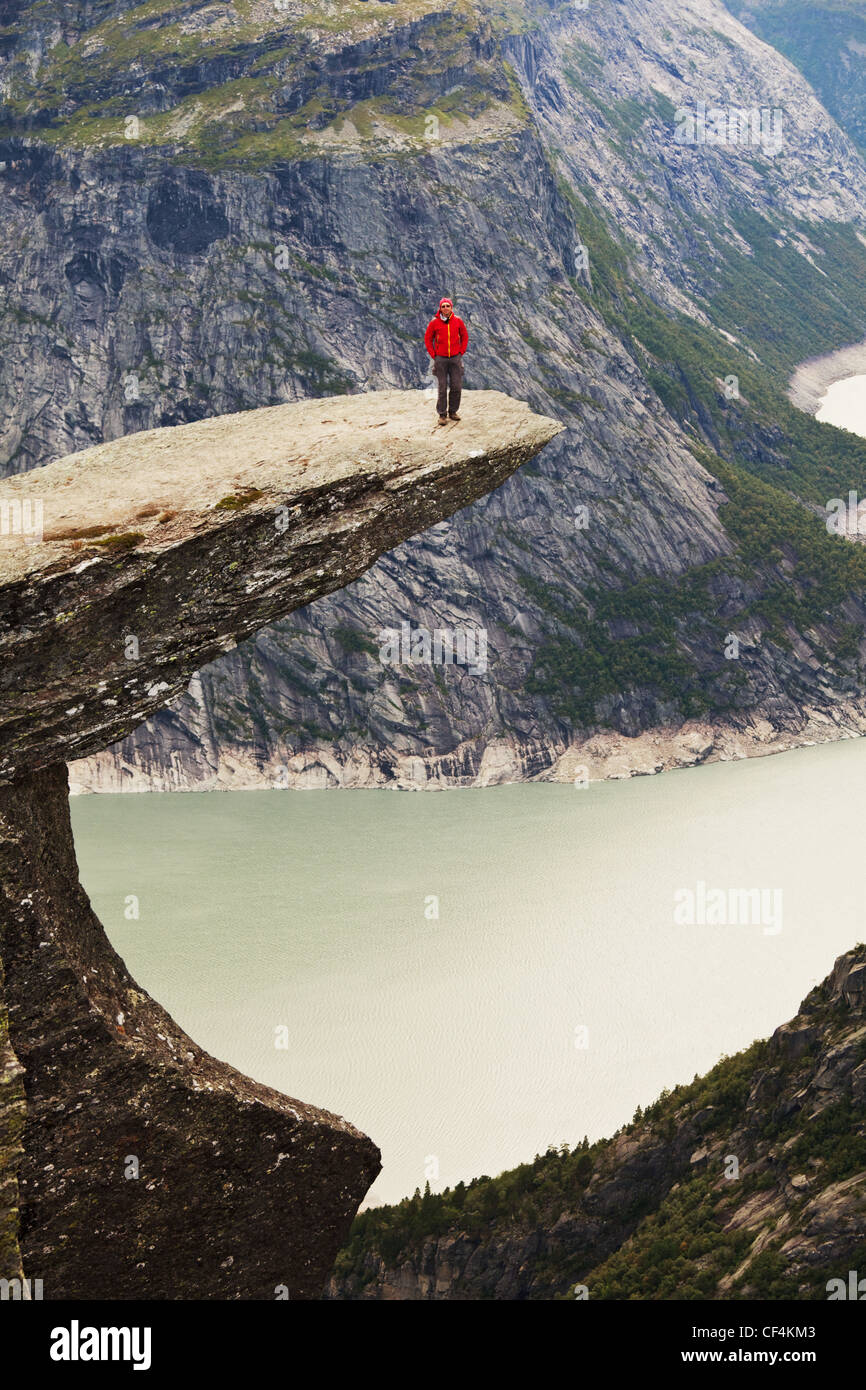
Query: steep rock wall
[280, 227]
[134, 1164]
[238, 1190]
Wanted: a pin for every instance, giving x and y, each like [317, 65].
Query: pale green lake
[844, 404]
[455, 1039]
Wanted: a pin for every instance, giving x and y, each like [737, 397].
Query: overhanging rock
[158, 552]
[188, 540]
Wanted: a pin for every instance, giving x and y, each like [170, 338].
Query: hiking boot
[455, 416]
[443, 419]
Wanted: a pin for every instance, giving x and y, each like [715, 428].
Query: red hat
[446, 301]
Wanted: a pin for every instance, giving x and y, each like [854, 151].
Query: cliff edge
[134, 1165]
[125, 568]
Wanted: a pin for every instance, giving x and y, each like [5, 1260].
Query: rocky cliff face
[750, 1183]
[827, 42]
[12, 1113]
[148, 1169]
[138, 561]
[216, 207]
[132, 1164]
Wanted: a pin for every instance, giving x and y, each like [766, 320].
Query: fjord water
[844, 404]
[456, 1040]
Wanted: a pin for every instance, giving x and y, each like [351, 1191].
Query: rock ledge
[132, 1164]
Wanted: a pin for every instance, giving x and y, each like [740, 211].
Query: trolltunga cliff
[158, 552]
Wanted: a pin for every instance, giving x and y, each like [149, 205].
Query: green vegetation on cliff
[259, 85]
[712, 1191]
[787, 575]
[826, 40]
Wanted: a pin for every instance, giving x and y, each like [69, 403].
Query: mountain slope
[749, 1183]
[212, 208]
[827, 42]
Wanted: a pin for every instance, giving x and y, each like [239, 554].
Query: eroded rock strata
[12, 1112]
[181, 539]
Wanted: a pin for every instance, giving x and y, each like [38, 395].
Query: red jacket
[446, 339]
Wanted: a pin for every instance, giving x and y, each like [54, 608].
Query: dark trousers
[448, 371]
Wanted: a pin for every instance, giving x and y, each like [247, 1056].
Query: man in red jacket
[446, 340]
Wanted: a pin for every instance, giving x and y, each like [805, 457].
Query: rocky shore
[605, 756]
[809, 383]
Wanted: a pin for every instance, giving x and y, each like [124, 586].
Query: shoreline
[605, 756]
[810, 381]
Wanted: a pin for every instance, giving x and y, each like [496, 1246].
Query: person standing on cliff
[446, 341]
